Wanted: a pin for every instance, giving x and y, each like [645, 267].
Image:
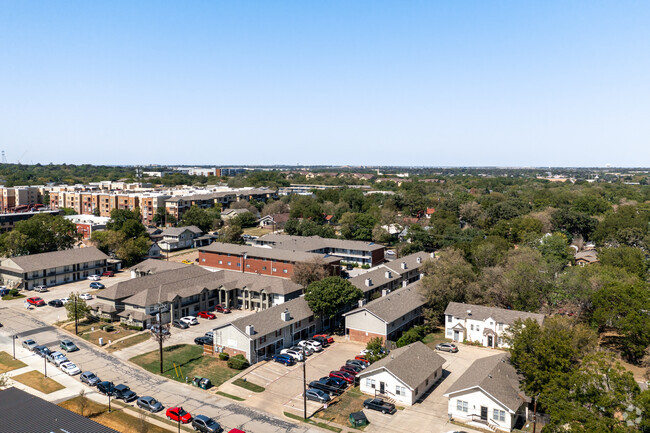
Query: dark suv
[203, 423]
[105, 387]
[123, 392]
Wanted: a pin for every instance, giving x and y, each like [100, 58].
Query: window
[449, 332]
[400, 390]
[263, 339]
[220, 262]
[426, 382]
[478, 328]
[435, 374]
[471, 327]
[491, 323]
[275, 270]
[229, 263]
[449, 318]
[500, 326]
[462, 406]
[416, 391]
[285, 271]
[370, 383]
[498, 415]
[203, 260]
[247, 265]
[264, 268]
[278, 332]
[239, 265]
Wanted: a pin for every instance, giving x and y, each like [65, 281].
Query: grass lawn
[8, 363]
[35, 379]
[248, 385]
[234, 397]
[118, 419]
[312, 422]
[128, 342]
[10, 297]
[191, 361]
[92, 336]
[339, 410]
[256, 231]
[437, 336]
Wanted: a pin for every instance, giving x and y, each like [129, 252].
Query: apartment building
[20, 198]
[87, 224]
[8, 220]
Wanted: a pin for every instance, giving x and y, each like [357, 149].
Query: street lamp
[108, 394]
[13, 340]
[45, 365]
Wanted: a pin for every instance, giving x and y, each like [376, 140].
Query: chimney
[403, 265]
[368, 282]
[404, 283]
[433, 255]
[285, 315]
[362, 302]
[250, 330]
[419, 259]
[469, 312]
[384, 292]
[389, 274]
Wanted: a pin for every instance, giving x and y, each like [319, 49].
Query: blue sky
[332, 82]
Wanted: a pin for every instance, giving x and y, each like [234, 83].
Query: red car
[236, 430]
[343, 376]
[206, 315]
[329, 338]
[362, 358]
[349, 369]
[176, 413]
[36, 301]
[108, 274]
[221, 309]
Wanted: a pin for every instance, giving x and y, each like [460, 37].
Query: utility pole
[45, 364]
[535, 414]
[160, 342]
[304, 383]
[109, 400]
[76, 321]
[13, 340]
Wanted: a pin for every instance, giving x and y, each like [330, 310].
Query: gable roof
[310, 243]
[412, 364]
[35, 262]
[155, 265]
[394, 305]
[270, 320]
[177, 231]
[479, 312]
[413, 261]
[26, 413]
[267, 253]
[495, 376]
[378, 277]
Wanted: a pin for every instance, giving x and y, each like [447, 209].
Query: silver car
[57, 358]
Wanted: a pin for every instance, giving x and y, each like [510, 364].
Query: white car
[65, 300]
[190, 320]
[86, 296]
[295, 354]
[390, 252]
[94, 277]
[70, 368]
[315, 345]
[308, 350]
[40, 289]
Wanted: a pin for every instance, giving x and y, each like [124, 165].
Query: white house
[489, 394]
[404, 375]
[177, 238]
[487, 325]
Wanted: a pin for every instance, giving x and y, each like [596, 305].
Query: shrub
[13, 292]
[224, 356]
[411, 336]
[366, 266]
[238, 362]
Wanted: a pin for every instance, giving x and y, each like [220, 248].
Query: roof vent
[419, 259]
[250, 330]
[368, 282]
[469, 312]
[285, 316]
[362, 302]
[403, 265]
[385, 292]
[389, 274]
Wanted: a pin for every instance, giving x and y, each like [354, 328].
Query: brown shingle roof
[36, 262]
[412, 364]
[154, 265]
[396, 304]
[479, 312]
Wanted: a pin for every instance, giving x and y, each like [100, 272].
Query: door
[483, 413]
[381, 387]
[490, 341]
[456, 336]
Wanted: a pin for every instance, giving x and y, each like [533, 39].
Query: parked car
[96, 285]
[158, 329]
[221, 309]
[55, 303]
[150, 404]
[89, 378]
[379, 405]
[123, 392]
[178, 324]
[4, 291]
[308, 350]
[108, 274]
[190, 320]
[343, 376]
[362, 358]
[206, 424]
[334, 382]
[187, 262]
[390, 252]
[56, 358]
[105, 387]
[29, 345]
[295, 354]
[362, 365]
[40, 289]
[178, 413]
[326, 388]
[94, 277]
[349, 369]
[65, 300]
[206, 315]
[69, 368]
[314, 345]
[322, 340]
[86, 296]
[42, 351]
[287, 360]
[36, 301]
[68, 346]
[317, 395]
[209, 334]
[447, 347]
[204, 340]
[236, 430]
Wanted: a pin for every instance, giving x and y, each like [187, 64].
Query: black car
[42, 351]
[326, 388]
[317, 395]
[334, 382]
[203, 423]
[178, 324]
[105, 387]
[322, 340]
[203, 340]
[55, 303]
[150, 404]
[379, 405]
[123, 392]
[89, 378]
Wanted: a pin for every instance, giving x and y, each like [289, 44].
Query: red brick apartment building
[261, 261]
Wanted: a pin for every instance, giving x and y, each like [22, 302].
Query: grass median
[128, 342]
[35, 379]
[8, 363]
[248, 385]
[340, 409]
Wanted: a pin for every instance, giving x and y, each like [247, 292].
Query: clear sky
[523, 83]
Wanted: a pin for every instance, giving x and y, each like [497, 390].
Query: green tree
[555, 250]
[624, 257]
[231, 234]
[195, 216]
[245, 219]
[120, 216]
[327, 297]
[76, 307]
[41, 233]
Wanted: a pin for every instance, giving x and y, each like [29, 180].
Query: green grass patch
[10, 297]
[248, 385]
[435, 337]
[8, 363]
[35, 379]
[128, 342]
[256, 231]
[339, 410]
[234, 397]
[184, 360]
[312, 422]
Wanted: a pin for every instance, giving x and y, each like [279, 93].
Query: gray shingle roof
[496, 376]
[411, 262]
[36, 262]
[310, 243]
[267, 253]
[412, 364]
[270, 320]
[26, 413]
[176, 231]
[396, 304]
[377, 276]
[155, 265]
[500, 315]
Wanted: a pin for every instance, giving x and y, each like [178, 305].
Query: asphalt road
[230, 414]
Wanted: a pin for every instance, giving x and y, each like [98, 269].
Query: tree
[305, 273]
[82, 402]
[245, 219]
[195, 216]
[555, 250]
[41, 233]
[131, 251]
[231, 234]
[327, 297]
[624, 257]
[447, 279]
[275, 207]
[121, 216]
[143, 425]
[76, 309]
[527, 280]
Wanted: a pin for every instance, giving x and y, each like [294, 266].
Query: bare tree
[4, 380]
[143, 425]
[82, 402]
[305, 273]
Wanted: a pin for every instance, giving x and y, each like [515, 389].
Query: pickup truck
[379, 405]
